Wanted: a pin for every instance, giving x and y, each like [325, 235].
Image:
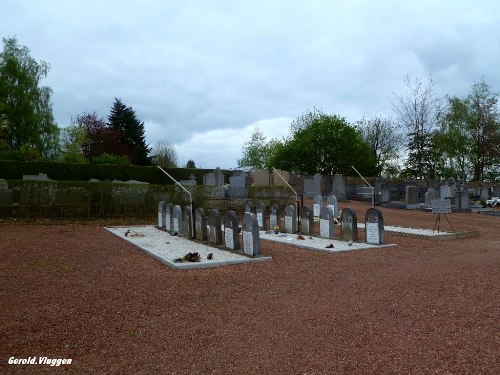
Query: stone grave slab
[326, 223]
[231, 231]
[374, 227]
[250, 231]
[348, 225]
[306, 220]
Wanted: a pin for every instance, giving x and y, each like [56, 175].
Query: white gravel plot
[417, 231]
[318, 243]
[167, 248]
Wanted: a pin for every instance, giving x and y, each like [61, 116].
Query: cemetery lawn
[422, 307]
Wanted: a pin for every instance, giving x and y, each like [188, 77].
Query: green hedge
[14, 170]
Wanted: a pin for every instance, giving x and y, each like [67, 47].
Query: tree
[99, 137]
[190, 164]
[384, 141]
[416, 111]
[73, 140]
[328, 145]
[124, 120]
[164, 155]
[26, 118]
[469, 137]
[305, 119]
[254, 150]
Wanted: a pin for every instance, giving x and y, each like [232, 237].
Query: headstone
[441, 206]
[200, 224]
[326, 223]
[382, 191]
[374, 227]
[444, 192]
[169, 217]
[250, 231]
[261, 215]
[214, 227]
[260, 177]
[36, 177]
[238, 181]
[431, 194]
[188, 222]
[317, 204]
[231, 231]
[484, 194]
[333, 204]
[209, 179]
[219, 177]
[274, 217]
[338, 188]
[161, 214]
[306, 220]
[463, 199]
[290, 219]
[277, 180]
[312, 186]
[177, 222]
[248, 207]
[348, 225]
[411, 195]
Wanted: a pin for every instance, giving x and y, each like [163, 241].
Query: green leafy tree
[254, 150]
[328, 145]
[26, 118]
[416, 111]
[124, 120]
[164, 155]
[190, 164]
[73, 140]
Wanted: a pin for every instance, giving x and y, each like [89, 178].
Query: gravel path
[420, 307]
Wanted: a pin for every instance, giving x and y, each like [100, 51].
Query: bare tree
[164, 155]
[416, 111]
[384, 139]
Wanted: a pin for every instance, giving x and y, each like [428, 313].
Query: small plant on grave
[276, 229]
[189, 257]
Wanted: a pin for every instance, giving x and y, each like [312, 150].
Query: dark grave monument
[261, 212]
[231, 231]
[188, 222]
[290, 219]
[161, 214]
[326, 223]
[250, 231]
[348, 225]
[177, 221]
[169, 217]
[306, 220]
[274, 217]
[331, 202]
[214, 227]
[200, 224]
[317, 204]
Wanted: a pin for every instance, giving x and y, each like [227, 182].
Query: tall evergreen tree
[124, 120]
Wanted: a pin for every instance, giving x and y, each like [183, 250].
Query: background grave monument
[214, 227]
[169, 217]
[177, 222]
[261, 215]
[317, 204]
[188, 222]
[200, 224]
[306, 220]
[333, 204]
[161, 214]
[290, 219]
[274, 217]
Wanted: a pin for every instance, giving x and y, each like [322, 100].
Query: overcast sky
[201, 74]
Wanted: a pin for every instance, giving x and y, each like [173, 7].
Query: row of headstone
[331, 202]
[176, 220]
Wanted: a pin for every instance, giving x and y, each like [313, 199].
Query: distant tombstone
[411, 195]
[231, 231]
[317, 204]
[260, 177]
[444, 192]
[338, 187]
[200, 224]
[349, 225]
[250, 230]
[326, 223]
[214, 227]
[431, 194]
[383, 191]
[248, 207]
[463, 199]
[237, 182]
[261, 212]
[188, 222]
[177, 222]
[278, 176]
[312, 186]
[374, 227]
[274, 217]
[290, 219]
[161, 214]
[169, 217]
[306, 220]
[484, 194]
[331, 202]
[219, 177]
[209, 179]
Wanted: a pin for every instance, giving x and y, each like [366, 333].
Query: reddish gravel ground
[421, 307]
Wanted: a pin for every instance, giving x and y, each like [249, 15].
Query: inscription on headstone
[333, 204]
[374, 227]
[326, 223]
[348, 225]
[251, 240]
[318, 203]
[169, 218]
[214, 227]
[231, 230]
[261, 211]
[290, 219]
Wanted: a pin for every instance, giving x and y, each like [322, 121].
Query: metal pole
[291, 188]
[190, 198]
[373, 189]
